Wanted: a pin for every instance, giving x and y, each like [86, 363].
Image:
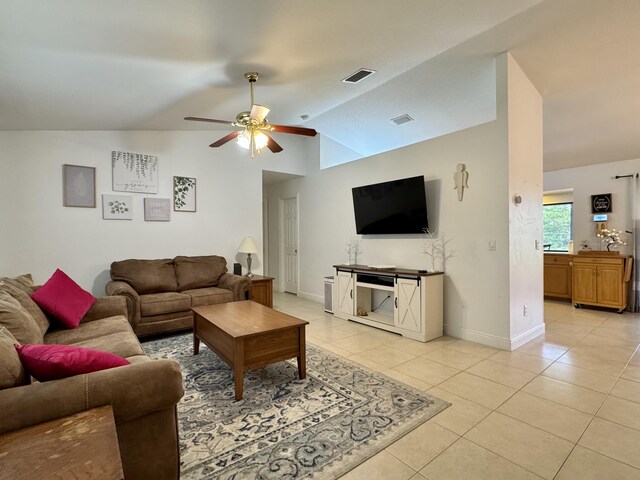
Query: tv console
[362, 294]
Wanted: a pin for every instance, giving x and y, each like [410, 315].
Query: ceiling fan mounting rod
[252, 77]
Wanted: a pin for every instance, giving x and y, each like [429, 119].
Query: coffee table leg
[238, 368]
[196, 344]
[302, 358]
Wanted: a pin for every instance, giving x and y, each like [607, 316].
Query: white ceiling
[146, 64]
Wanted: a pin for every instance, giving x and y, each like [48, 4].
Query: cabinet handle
[396, 302]
[351, 293]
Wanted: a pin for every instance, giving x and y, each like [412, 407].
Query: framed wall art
[117, 207]
[184, 194]
[157, 209]
[78, 186]
[134, 172]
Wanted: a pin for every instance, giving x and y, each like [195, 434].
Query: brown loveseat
[143, 395]
[160, 293]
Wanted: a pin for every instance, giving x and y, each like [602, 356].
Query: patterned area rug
[286, 428]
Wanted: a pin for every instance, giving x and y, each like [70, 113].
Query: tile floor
[564, 406]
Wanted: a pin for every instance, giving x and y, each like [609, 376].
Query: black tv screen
[399, 206]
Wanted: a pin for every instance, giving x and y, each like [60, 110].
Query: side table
[261, 290]
[83, 445]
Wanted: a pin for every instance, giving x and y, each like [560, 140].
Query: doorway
[290, 244]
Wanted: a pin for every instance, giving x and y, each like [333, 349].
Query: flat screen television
[395, 207]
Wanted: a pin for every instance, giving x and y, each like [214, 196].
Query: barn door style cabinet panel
[408, 302]
[601, 280]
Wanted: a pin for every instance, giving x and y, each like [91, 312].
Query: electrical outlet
[492, 245]
[524, 310]
[537, 244]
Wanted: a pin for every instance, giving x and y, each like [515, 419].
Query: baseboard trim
[311, 296]
[527, 336]
[477, 337]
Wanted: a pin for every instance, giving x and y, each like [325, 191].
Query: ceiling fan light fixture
[259, 138]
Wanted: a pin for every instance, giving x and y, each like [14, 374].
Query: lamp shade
[248, 245]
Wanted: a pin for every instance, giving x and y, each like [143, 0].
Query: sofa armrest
[237, 284]
[114, 288]
[132, 390]
[106, 307]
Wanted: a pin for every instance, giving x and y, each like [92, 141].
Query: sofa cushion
[22, 293]
[122, 344]
[160, 303]
[51, 362]
[64, 299]
[17, 320]
[199, 272]
[23, 282]
[12, 373]
[209, 296]
[146, 276]
[90, 330]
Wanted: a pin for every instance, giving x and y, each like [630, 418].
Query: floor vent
[359, 75]
[402, 119]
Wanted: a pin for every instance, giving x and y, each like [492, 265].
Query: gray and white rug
[286, 428]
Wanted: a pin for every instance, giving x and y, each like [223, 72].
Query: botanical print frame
[157, 209]
[134, 172]
[78, 186]
[184, 194]
[117, 207]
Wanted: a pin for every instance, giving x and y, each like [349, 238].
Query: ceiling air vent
[402, 119]
[359, 75]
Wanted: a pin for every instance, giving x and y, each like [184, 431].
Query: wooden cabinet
[601, 280]
[261, 290]
[558, 275]
[415, 306]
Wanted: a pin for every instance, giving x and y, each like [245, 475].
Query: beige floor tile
[480, 390]
[527, 446]
[462, 415]
[579, 398]
[501, 373]
[409, 380]
[473, 348]
[383, 465]
[621, 411]
[613, 440]
[328, 334]
[359, 343]
[549, 416]
[419, 447]
[465, 460]
[387, 357]
[415, 347]
[562, 338]
[453, 358]
[584, 464]
[582, 359]
[581, 377]
[365, 362]
[627, 389]
[426, 370]
[523, 361]
[632, 372]
[337, 350]
[542, 349]
[581, 320]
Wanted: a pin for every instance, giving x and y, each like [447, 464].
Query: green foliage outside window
[557, 221]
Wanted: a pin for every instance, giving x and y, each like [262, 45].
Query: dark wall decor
[601, 203]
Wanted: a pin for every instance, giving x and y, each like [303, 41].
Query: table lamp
[248, 246]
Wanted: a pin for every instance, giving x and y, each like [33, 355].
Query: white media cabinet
[408, 302]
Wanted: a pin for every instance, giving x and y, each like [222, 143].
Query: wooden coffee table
[248, 335]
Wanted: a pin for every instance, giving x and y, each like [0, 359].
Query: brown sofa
[143, 395]
[160, 293]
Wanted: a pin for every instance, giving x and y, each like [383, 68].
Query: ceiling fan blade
[272, 144]
[211, 120]
[310, 132]
[259, 113]
[225, 139]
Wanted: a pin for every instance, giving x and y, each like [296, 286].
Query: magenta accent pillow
[51, 362]
[63, 299]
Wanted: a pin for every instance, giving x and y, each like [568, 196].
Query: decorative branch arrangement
[435, 247]
[611, 237]
[353, 249]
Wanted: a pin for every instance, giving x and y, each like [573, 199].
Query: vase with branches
[611, 237]
[353, 249]
[435, 248]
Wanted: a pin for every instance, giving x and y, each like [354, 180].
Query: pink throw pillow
[63, 299]
[51, 362]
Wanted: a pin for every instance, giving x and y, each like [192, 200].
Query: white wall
[40, 235]
[591, 180]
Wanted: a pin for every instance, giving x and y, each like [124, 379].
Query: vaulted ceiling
[146, 64]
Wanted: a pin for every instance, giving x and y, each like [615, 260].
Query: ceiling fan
[254, 127]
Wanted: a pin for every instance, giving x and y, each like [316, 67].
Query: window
[557, 222]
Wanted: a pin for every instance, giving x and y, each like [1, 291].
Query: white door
[344, 294]
[407, 305]
[291, 245]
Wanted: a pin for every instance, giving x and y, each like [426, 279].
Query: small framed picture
[117, 207]
[78, 186]
[184, 194]
[157, 209]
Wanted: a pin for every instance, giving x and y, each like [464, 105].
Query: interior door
[291, 245]
[407, 305]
